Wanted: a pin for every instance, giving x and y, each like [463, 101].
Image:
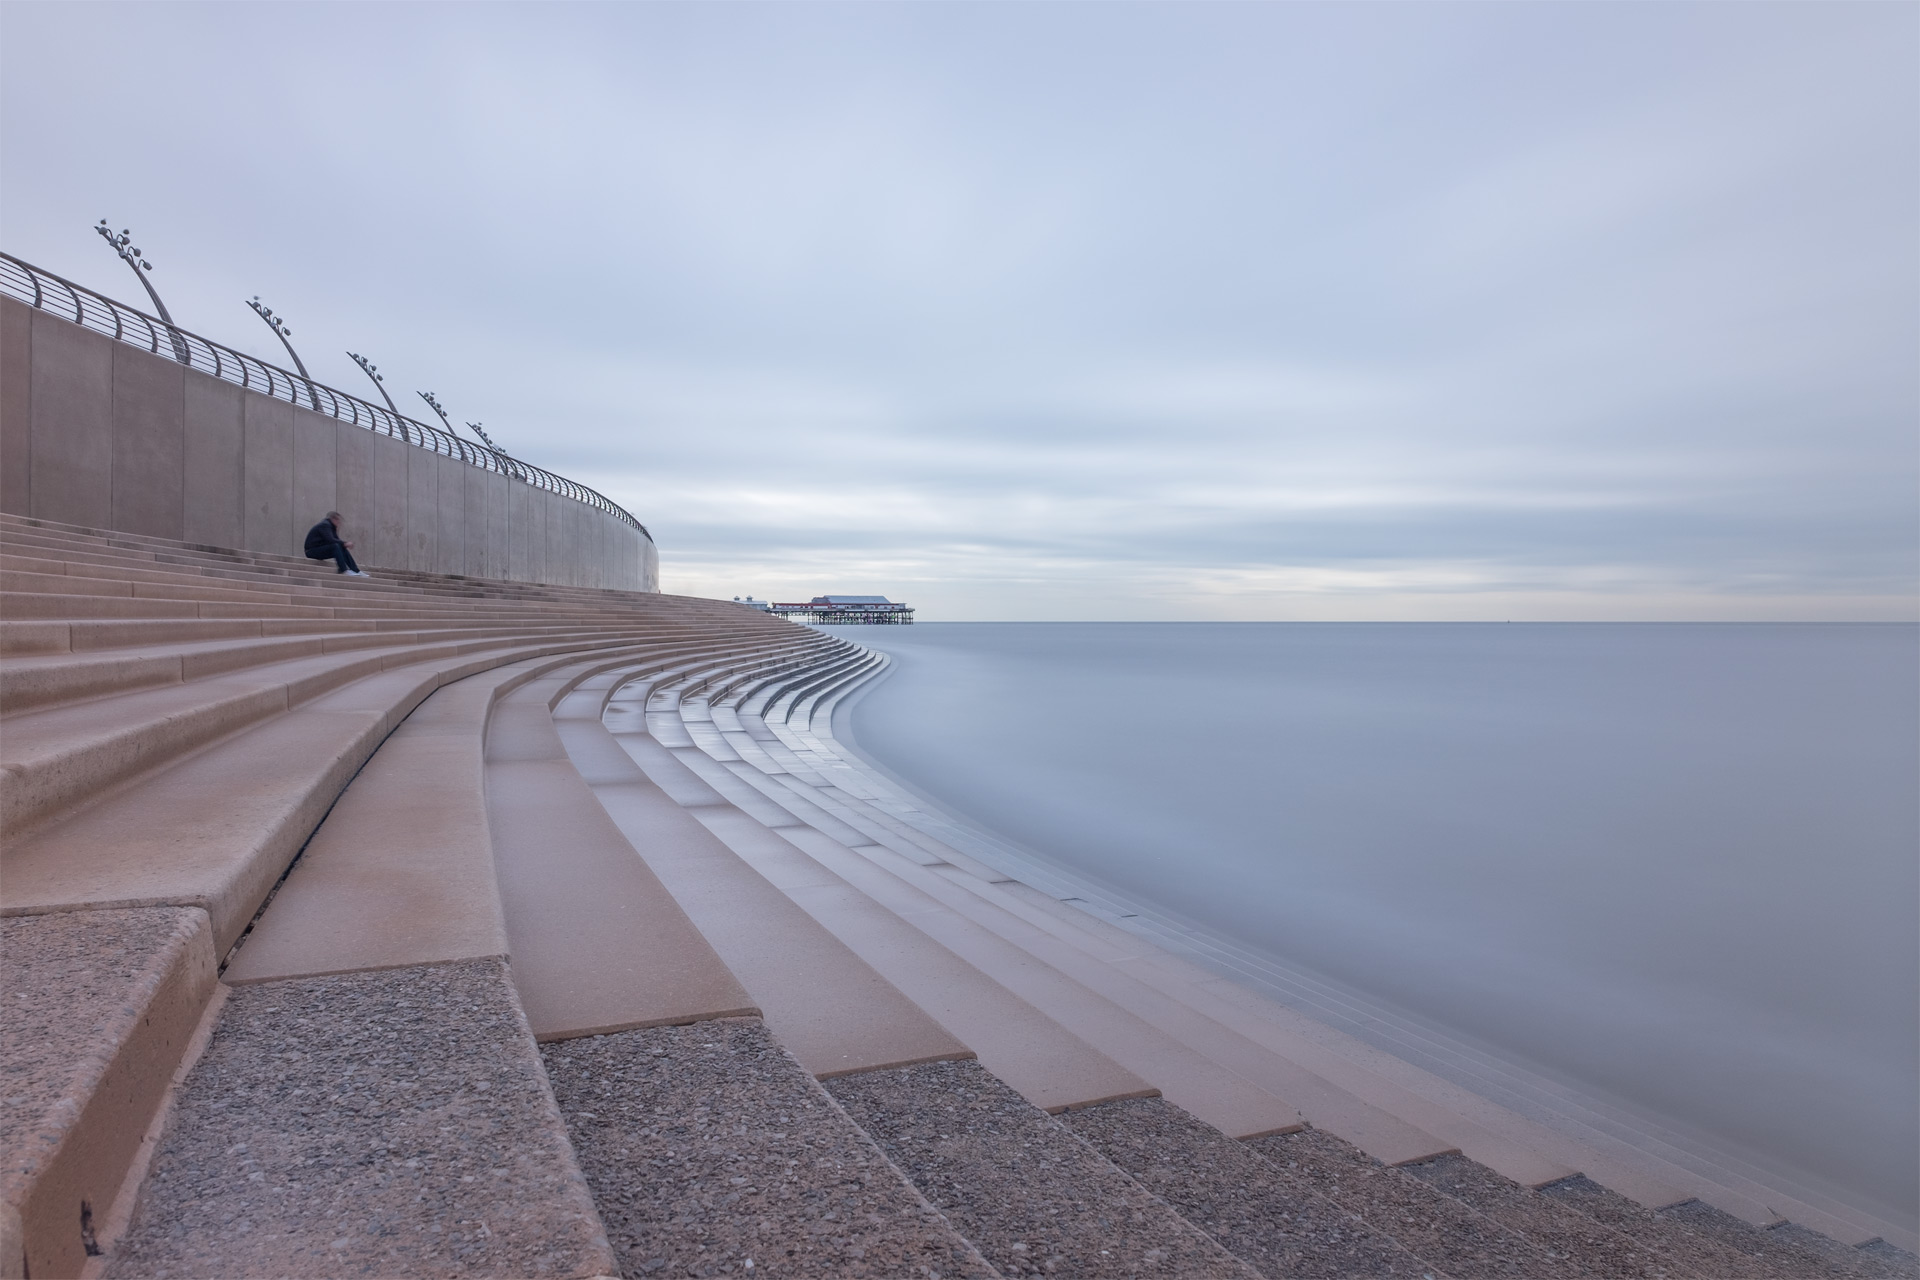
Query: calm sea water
[1675, 862]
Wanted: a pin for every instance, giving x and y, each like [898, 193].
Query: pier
[846, 611]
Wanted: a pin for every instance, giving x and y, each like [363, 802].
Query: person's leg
[342, 562]
[347, 563]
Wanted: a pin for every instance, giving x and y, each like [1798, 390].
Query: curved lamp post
[436, 407]
[120, 245]
[283, 333]
[372, 370]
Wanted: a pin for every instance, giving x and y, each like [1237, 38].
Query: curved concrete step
[829, 1008]
[1118, 1035]
[378, 1123]
[217, 828]
[1278, 1227]
[710, 1151]
[101, 1008]
[1437, 1228]
[598, 943]
[1030, 1196]
[1041, 1059]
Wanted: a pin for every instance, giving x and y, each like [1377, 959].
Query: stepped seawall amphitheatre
[500, 915]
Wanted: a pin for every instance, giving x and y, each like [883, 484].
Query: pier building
[846, 611]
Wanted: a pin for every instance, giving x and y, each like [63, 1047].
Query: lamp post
[436, 407]
[283, 333]
[120, 244]
[372, 370]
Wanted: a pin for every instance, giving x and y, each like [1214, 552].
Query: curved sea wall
[100, 433]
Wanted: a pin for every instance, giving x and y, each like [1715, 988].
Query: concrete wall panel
[423, 509]
[70, 456]
[313, 472]
[473, 536]
[269, 465]
[499, 497]
[214, 450]
[149, 443]
[391, 541]
[450, 553]
[98, 433]
[16, 406]
[353, 487]
[519, 514]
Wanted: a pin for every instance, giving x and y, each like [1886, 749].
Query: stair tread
[829, 1007]
[1049, 1065]
[387, 1123]
[1432, 1226]
[1232, 1194]
[688, 1136]
[598, 943]
[100, 1007]
[1028, 1194]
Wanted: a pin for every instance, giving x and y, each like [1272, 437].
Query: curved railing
[70, 301]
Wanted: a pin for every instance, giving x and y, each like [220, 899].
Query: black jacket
[321, 539]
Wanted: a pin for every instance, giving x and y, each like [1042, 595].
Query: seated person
[323, 543]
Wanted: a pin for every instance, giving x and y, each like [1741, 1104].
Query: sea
[1676, 866]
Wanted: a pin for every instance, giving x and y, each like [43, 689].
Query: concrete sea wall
[98, 433]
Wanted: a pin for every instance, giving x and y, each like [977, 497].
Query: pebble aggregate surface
[1597, 1250]
[1697, 1252]
[52, 967]
[368, 1124]
[711, 1152]
[1448, 1235]
[1035, 1199]
[1235, 1196]
[1771, 1253]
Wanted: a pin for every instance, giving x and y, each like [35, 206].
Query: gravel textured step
[1761, 1247]
[1697, 1250]
[1876, 1260]
[712, 1152]
[1032, 1197]
[1232, 1194]
[1594, 1249]
[369, 1124]
[99, 1009]
[1439, 1229]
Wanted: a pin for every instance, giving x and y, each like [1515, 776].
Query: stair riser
[101, 1125]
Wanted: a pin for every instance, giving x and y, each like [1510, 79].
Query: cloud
[1032, 311]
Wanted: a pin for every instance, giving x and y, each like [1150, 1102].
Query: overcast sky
[1073, 310]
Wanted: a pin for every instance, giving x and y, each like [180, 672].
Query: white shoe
[355, 573]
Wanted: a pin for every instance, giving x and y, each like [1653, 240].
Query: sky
[1052, 311]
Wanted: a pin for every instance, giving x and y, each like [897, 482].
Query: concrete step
[1595, 1249]
[710, 1151]
[387, 1123]
[1274, 1225]
[1446, 1234]
[1046, 1063]
[1106, 1009]
[57, 758]
[37, 682]
[217, 828]
[1014, 1181]
[599, 944]
[830, 1009]
[101, 1006]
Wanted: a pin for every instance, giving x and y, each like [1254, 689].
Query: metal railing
[70, 301]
